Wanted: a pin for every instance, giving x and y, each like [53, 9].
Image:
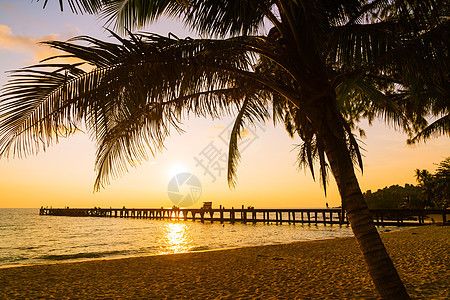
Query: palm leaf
[439, 127]
[251, 111]
[137, 90]
[80, 6]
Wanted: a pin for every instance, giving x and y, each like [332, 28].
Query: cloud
[217, 127]
[31, 45]
[8, 7]
[26, 44]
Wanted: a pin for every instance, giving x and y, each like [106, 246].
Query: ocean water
[28, 238]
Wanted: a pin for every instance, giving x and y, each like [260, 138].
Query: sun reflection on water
[175, 238]
[176, 215]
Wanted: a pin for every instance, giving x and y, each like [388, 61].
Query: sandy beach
[327, 269]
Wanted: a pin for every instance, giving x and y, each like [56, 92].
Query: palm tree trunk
[380, 266]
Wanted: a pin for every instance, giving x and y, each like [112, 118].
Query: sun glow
[176, 168]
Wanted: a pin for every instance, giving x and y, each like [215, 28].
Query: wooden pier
[327, 216]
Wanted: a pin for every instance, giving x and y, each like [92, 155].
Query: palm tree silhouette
[323, 65]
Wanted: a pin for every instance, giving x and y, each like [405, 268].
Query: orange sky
[268, 177]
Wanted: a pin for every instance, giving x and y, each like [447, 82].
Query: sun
[176, 168]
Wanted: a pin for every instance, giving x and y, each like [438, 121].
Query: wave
[200, 248]
[28, 248]
[59, 257]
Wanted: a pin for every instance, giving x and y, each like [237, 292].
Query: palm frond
[307, 154]
[437, 128]
[310, 152]
[135, 14]
[134, 93]
[322, 164]
[31, 96]
[359, 98]
[252, 111]
[80, 6]
[234, 155]
[353, 145]
[353, 59]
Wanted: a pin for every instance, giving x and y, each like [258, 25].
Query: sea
[27, 238]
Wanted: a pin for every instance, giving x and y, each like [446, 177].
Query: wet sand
[327, 269]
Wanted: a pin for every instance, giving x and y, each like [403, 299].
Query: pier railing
[327, 216]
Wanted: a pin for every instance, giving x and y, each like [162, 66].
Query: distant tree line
[432, 191]
[394, 196]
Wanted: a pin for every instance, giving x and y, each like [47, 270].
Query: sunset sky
[267, 175]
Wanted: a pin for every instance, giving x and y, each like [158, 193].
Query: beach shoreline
[105, 255]
[68, 261]
[318, 269]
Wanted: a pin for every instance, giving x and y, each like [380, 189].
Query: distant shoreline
[321, 269]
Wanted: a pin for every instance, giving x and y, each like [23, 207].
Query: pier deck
[327, 216]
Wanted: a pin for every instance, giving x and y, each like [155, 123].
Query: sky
[268, 175]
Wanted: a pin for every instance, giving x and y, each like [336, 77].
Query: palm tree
[436, 187]
[442, 176]
[427, 184]
[323, 65]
